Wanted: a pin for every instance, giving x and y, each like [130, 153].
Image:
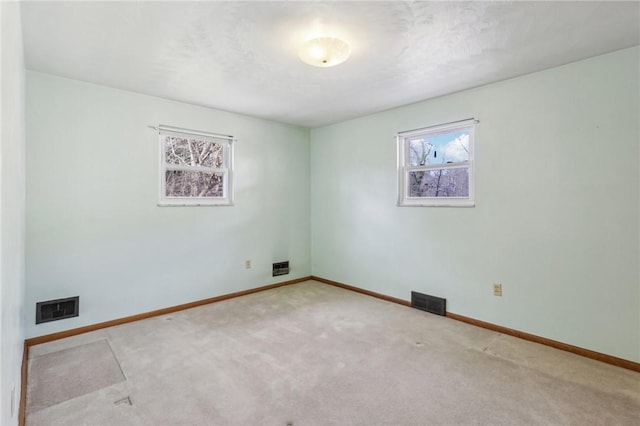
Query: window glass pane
[181, 183]
[192, 152]
[439, 183]
[451, 147]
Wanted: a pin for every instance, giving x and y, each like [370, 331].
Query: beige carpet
[313, 354]
[69, 373]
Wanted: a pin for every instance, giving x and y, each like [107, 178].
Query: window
[435, 165]
[196, 168]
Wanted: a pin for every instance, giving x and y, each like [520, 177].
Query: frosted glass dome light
[324, 52]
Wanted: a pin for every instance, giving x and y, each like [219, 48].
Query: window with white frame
[435, 165]
[196, 168]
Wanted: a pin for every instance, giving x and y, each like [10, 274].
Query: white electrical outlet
[247, 264]
[497, 289]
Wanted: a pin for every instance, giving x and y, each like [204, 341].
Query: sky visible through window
[438, 149]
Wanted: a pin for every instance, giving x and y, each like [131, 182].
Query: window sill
[438, 203]
[195, 205]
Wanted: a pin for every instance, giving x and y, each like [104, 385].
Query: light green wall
[557, 216]
[93, 225]
[557, 206]
[12, 210]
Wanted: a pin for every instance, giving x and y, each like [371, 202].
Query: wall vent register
[432, 304]
[53, 310]
[281, 268]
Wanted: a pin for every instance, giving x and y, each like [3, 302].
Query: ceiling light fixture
[324, 52]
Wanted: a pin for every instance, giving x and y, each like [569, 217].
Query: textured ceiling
[242, 56]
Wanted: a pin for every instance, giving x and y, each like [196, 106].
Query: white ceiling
[242, 56]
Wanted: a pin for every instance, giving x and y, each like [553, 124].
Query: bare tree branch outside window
[195, 154]
[194, 168]
[436, 164]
